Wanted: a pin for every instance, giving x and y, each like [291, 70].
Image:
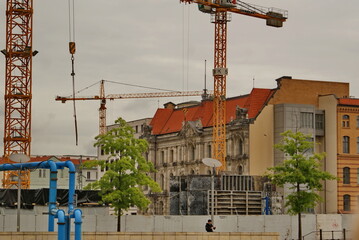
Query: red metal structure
[18, 85]
[220, 16]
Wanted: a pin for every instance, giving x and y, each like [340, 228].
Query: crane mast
[219, 10]
[18, 86]
[220, 72]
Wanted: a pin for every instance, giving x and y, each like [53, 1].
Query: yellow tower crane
[102, 97]
[220, 10]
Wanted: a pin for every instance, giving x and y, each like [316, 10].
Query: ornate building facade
[181, 136]
[348, 155]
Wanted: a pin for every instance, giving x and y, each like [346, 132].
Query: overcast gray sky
[163, 44]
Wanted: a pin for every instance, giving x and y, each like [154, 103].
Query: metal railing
[333, 236]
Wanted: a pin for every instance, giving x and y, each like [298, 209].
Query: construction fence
[97, 219]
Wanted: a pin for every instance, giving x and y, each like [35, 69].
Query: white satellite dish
[211, 162]
[19, 157]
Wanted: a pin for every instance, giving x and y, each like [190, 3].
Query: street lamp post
[18, 200]
[213, 163]
[18, 158]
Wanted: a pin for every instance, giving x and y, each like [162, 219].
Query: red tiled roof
[170, 120]
[349, 101]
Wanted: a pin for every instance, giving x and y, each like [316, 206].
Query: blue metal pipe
[61, 233]
[23, 166]
[72, 178]
[52, 195]
[64, 222]
[78, 223]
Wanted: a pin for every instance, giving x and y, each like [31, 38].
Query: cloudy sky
[163, 44]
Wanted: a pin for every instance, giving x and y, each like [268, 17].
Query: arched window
[346, 202]
[159, 209]
[240, 170]
[345, 121]
[346, 143]
[346, 175]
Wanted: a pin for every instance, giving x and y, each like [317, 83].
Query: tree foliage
[127, 170]
[301, 171]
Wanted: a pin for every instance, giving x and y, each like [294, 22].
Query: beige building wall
[261, 152]
[306, 91]
[348, 127]
[329, 105]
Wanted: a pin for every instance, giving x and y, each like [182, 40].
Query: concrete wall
[97, 221]
[145, 236]
[329, 105]
[285, 225]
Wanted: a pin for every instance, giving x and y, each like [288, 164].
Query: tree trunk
[119, 223]
[299, 226]
[299, 218]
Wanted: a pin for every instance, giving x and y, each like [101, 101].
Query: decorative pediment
[191, 129]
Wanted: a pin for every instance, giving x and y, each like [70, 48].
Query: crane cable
[72, 49]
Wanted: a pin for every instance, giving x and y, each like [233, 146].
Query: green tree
[122, 184]
[301, 171]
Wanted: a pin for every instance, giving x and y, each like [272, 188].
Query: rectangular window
[171, 155]
[88, 175]
[162, 157]
[346, 202]
[306, 120]
[209, 150]
[193, 153]
[319, 121]
[180, 156]
[346, 175]
[40, 173]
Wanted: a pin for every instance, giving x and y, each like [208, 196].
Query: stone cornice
[347, 109]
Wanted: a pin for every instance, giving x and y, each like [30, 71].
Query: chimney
[169, 105]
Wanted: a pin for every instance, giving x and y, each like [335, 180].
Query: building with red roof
[180, 136]
[348, 154]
